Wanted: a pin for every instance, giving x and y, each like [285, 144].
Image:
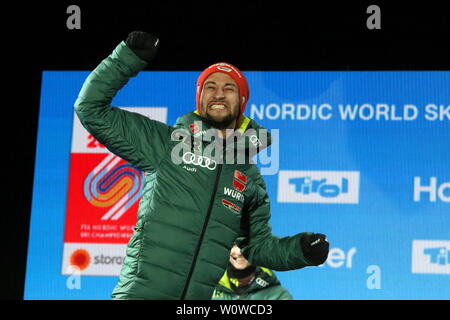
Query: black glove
[143, 44]
[315, 247]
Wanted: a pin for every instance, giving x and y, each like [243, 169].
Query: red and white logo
[194, 127]
[239, 181]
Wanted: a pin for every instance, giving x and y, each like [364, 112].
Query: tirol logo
[239, 181]
[318, 186]
[231, 206]
[438, 255]
[431, 256]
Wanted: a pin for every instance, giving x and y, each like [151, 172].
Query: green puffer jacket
[187, 221]
[264, 286]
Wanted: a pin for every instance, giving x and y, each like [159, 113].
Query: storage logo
[431, 256]
[91, 259]
[318, 186]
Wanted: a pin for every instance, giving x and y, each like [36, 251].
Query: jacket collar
[248, 132]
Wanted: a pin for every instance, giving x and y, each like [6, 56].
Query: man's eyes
[226, 88]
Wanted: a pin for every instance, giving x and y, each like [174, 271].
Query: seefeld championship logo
[113, 185]
[102, 203]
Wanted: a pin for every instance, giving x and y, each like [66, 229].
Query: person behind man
[186, 223]
[243, 281]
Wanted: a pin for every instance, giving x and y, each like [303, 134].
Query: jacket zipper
[202, 234]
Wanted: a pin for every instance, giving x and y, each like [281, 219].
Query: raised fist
[143, 44]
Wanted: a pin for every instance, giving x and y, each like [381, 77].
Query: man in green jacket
[187, 221]
[242, 281]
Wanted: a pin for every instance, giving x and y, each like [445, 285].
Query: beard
[220, 124]
[223, 123]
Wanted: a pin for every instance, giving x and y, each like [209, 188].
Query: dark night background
[253, 36]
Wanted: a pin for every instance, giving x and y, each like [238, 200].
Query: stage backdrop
[363, 157]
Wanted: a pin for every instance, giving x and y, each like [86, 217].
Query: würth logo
[239, 181]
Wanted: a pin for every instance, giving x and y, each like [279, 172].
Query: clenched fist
[143, 44]
[315, 248]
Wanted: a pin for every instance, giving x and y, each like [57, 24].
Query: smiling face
[219, 101]
[237, 260]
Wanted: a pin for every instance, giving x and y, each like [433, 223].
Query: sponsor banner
[318, 186]
[103, 197]
[84, 142]
[431, 256]
[92, 259]
[368, 132]
[349, 111]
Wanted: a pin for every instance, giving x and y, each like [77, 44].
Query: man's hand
[315, 248]
[143, 44]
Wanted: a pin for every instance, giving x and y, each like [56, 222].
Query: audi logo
[199, 160]
[261, 282]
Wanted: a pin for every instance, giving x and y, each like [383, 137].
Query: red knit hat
[234, 73]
